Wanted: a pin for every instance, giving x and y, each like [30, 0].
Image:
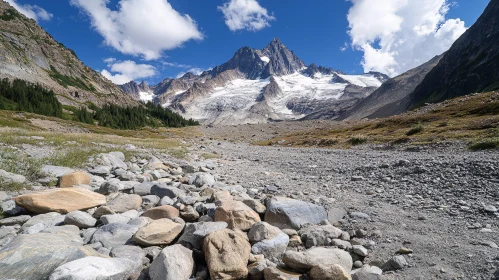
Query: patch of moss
[66, 81]
[10, 14]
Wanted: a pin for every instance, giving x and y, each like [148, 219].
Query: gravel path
[441, 203]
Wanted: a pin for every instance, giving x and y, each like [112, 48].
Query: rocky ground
[364, 213]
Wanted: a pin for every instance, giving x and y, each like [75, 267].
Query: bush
[357, 140]
[485, 144]
[415, 130]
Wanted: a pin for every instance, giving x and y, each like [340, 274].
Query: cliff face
[28, 52]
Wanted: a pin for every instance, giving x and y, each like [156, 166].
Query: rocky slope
[471, 64]
[256, 86]
[29, 53]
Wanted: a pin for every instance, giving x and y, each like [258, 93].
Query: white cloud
[31, 11]
[140, 27]
[245, 14]
[195, 71]
[398, 35]
[122, 72]
[175, 64]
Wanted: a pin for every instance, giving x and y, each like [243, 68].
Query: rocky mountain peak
[282, 61]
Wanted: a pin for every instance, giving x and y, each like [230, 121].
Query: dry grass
[473, 118]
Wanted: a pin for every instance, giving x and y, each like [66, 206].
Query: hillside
[29, 53]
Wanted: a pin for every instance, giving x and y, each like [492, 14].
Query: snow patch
[366, 80]
[146, 96]
[265, 59]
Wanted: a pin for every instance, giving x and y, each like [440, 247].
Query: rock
[188, 200]
[404, 251]
[357, 178]
[98, 268]
[273, 273]
[143, 189]
[163, 191]
[363, 275]
[134, 253]
[294, 241]
[17, 220]
[118, 218]
[56, 171]
[123, 202]
[329, 272]
[74, 179]
[7, 177]
[149, 201]
[334, 215]
[342, 244]
[195, 233]
[174, 262]
[227, 254]
[256, 205]
[359, 215]
[101, 170]
[304, 261]
[273, 247]
[166, 201]
[42, 221]
[60, 200]
[255, 270]
[319, 235]
[202, 179]
[19, 259]
[189, 214]
[113, 159]
[236, 214]
[10, 208]
[395, 263]
[80, 219]
[158, 232]
[113, 235]
[261, 231]
[490, 208]
[290, 213]
[162, 212]
[360, 250]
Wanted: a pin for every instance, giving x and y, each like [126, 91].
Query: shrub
[357, 140]
[485, 144]
[415, 130]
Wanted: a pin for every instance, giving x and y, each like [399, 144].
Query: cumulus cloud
[245, 14]
[398, 35]
[122, 72]
[143, 28]
[31, 11]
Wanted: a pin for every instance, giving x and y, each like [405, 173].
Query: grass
[66, 81]
[485, 144]
[415, 129]
[13, 161]
[357, 140]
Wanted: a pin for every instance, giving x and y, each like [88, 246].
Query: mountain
[392, 97]
[471, 64]
[256, 86]
[29, 53]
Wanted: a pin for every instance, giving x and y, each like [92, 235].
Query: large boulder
[113, 159]
[122, 202]
[174, 262]
[97, 268]
[60, 200]
[74, 179]
[195, 233]
[287, 213]
[236, 214]
[162, 212]
[35, 256]
[268, 240]
[158, 232]
[304, 261]
[227, 253]
[113, 235]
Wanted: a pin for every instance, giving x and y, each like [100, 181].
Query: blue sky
[317, 31]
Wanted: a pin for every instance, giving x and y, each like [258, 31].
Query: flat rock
[195, 233]
[60, 200]
[290, 213]
[236, 214]
[319, 235]
[8, 177]
[329, 272]
[202, 179]
[80, 219]
[74, 179]
[304, 261]
[174, 262]
[113, 235]
[162, 212]
[122, 202]
[98, 268]
[56, 171]
[336, 214]
[17, 220]
[158, 232]
[273, 273]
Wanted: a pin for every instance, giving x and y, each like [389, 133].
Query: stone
[60, 200]
[98, 268]
[43, 221]
[334, 215]
[404, 251]
[143, 188]
[140, 222]
[19, 260]
[360, 250]
[115, 219]
[363, 275]
[236, 214]
[163, 191]
[56, 171]
[113, 235]
[273, 273]
[329, 272]
[7, 177]
[80, 219]
[255, 270]
[195, 233]
[17, 220]
[113, 159]
[319, 235]
[123, 202]
[272, 247]
[189, 214]
[162, 212]
[149, 201]
[134, 253]
[202, 179]
[290, 213]
[359, 215]
[158, 232]
[261, 231]
[101, 211]
[74, 179]
[10, 208]
[490, 208]
[395, 263]
[342, 244]
[166, 201]
[174, 262]
[295, 241]
[306, 260]
[256, 205]
[101, 170]
[227, 254]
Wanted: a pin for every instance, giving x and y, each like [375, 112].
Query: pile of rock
[148, 219]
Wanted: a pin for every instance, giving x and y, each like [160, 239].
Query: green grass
[12, 161]
[66, 81]
[357, 140]
[10, 14]
[485, 144]
[415, 129]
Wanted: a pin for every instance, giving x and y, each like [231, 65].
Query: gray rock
[194, 233]
[360, 250]
[359, 215]
[8, 177]
[122, 202]
[395, 263]
[342, 244]
[364, 275]
[114, 219]
[48, 220]
[173, 263]
[101, 170]
[188, 200]
[304, 261]
[335, 214]
[152, 252]
[112, 186]
[357, 178]
[113, 159]
[143, 188]
[164, 191]
[149, 201]
[80, 219]
[255, 270]
[56, 171]
[113, 235]
[140, 222]
[490, 208]
[87, 234]
[18, 260]
[202, 179]
[10, 208]
[166, 201]
[18, 220]
[273, 247]
[7, 234]
[4, 196]
[134, 253]
[319, 235]
[290, 213]
[97, 268]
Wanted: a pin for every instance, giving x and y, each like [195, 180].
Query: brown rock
[306, 260]
[236, 214]
[122, 202]
[272, 273]
[158, 232]
[294, 241]
[162, 212]
[60, 200]
[221, 196]
[101, 211]
[329, 272]
[227, 254]
[74, 179]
